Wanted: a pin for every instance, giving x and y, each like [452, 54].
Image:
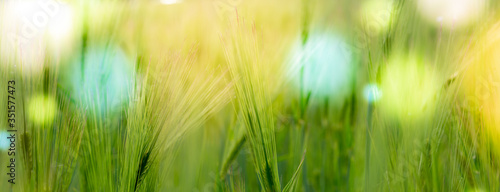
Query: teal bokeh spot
[4, 142]
[372, 93]
[327, 65]
[101, 79]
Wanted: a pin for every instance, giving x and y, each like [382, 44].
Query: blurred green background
[237, 95]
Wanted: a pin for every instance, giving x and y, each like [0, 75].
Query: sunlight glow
[61, 26]
[26, 25]
[451, 13]
[170, 2]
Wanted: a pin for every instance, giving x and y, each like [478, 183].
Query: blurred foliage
[237, 95]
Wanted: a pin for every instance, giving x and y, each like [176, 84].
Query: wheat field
[249, 95]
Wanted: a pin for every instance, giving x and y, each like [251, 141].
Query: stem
[434, 171]
[368, 146]
[232, 156]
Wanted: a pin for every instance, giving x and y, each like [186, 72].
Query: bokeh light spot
[42, 109]
[101, 82]
[4, 142]
[409, 87]
[372, 93]
[327, 65]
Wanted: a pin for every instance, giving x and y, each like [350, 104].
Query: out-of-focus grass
[216, 99]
